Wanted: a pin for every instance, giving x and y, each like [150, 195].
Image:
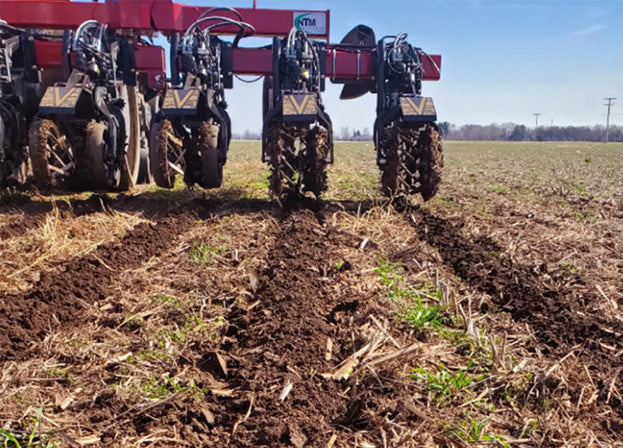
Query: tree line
[519, 132]
[504, 131]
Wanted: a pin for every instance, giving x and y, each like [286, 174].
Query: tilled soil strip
[280, 345]
[561, 322]
[62, 299]
[279, 349]
[553, 314]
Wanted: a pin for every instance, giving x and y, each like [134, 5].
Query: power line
[608, 105]
[536, 119]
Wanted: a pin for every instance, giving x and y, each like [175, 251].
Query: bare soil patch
[211, 319]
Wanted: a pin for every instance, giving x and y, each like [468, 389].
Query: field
[489, 316]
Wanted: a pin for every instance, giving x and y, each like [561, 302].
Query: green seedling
[9, 439]
[203, 253]
[445, 383]
[160, 387]
[420, 315]
[474, 431]
[415, 310]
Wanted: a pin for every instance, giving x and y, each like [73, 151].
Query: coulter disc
[131, 166]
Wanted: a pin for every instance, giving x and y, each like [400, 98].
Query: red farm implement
[95, 109]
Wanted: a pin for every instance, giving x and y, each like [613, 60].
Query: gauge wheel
[94, 151]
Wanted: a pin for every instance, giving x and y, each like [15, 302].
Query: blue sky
[503, 60]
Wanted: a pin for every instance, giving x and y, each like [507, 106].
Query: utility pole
[536, 120]
[608, 105]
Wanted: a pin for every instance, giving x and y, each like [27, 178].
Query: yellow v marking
[61, 99]
[416, 108]
[181, 102]
[300, 108]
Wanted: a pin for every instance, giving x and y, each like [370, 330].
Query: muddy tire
[315, 156]
[94, 171]
[414, 162]
[52, 158]
[211, 168]
[165, 150]
[284, 181]
[432, 162]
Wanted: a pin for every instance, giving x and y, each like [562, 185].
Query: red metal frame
[150, 60]
[160, 15]
[167, 16]
[345, 65]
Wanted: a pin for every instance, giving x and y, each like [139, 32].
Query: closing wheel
[315, 155]
[94, 150]
[166, 154]
[51, 155]
[414, 161]
[432, 162]
[211, 168]
[131, 166]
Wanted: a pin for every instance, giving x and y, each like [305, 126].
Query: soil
[142, 343]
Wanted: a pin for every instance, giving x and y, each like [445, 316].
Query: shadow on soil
[155, 204]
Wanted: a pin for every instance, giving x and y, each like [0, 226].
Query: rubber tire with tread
[211, 168]
[94, 149]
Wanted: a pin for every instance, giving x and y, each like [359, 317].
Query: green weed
[56, 372]
[203, 253]
[568, 267]
[168, 300]
[473, 430]
[445, 383]
[420, 315]
[392, 275]
[132, 322]
[501, 189]
[153, 355]
[415, 309]
[160, 387]
[338, 265]
[9, 439]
